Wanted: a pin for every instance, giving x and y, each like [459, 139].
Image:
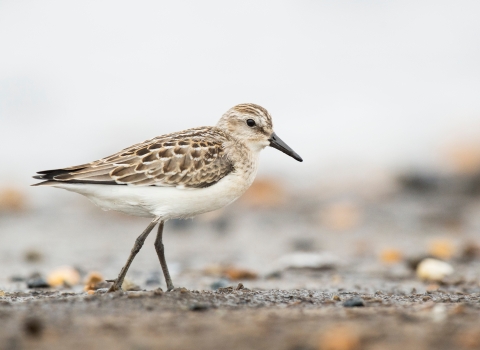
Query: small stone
[221, 283]
[391, 256]
[63, 276]
[234, 274]
[158, 292]
[102, 290]
[130, 286]
[90, 292]
[240, 286]
[442, 249]
[93, 280]
[198, 307]
[336, 298]
[37, 282]
[354, 302]
[154, 278]
[433, 269]
[273, 275]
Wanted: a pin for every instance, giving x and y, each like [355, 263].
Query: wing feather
[193, 158]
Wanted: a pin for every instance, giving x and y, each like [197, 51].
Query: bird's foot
[114, 287]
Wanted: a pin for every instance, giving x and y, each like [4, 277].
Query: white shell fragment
[433, 269]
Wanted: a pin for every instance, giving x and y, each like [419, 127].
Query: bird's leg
[117, 284]
[161, 256]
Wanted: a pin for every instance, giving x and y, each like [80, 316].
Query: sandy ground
[242, 319]
[354, 287]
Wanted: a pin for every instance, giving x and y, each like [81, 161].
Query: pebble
[442, 248]
[198, 307]
[63, 276]
[154, 278]
[433, 269]
[221, 283]
[128, 285]
[158, 292]
[391, 256]
[100, 291]
[37, 282]
[234, 274]
[92, 281]
[354, 302]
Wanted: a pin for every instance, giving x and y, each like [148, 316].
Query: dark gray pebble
[198, 307]
[38, 282]
[221, 283]
[354, 302]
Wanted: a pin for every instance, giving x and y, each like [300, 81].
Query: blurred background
[381, 99]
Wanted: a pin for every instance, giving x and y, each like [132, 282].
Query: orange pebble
[442, 248]
[240, 274]
[390, 256]
[92, 280]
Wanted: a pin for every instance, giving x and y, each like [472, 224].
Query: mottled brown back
[192, 158]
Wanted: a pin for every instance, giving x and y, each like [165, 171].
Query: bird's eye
[251, 123]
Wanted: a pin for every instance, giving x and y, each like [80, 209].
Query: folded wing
[195, 158]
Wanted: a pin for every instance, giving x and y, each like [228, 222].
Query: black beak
[276, 142]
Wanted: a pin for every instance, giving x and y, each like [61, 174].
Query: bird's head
[252, 125]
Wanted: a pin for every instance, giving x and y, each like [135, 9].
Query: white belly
[164, 202]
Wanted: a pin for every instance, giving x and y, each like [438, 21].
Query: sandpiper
[178, 175]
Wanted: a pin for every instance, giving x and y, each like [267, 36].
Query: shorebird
[177, 175]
